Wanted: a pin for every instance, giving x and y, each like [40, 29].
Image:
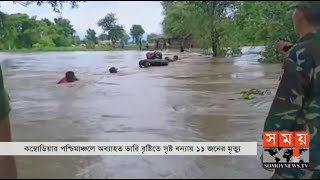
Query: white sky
[146, 13]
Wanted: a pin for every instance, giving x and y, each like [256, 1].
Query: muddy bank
[189, 100]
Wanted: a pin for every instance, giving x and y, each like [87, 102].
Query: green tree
[116, 33]
[103, 37]
[177, 20]
[215, 11]
[220, 24]
[56, 5]
[44, 42]
[76, 40]
[150, 37]
[91, 36]
[64, 26]
[65, 32]
[21, 31]
[8, 31]
[136, 32]
[108, 22]
[262, 22]
[125, 38]
[28, 32]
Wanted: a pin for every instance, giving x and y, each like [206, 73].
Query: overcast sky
[146, 13]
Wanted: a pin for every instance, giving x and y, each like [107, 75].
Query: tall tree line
[219, 24]
[19, 31]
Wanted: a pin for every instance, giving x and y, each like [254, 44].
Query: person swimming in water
[147, 63]
[113, 70]
[69, 77]
[144, 63]
[175, 58]
[154, 55]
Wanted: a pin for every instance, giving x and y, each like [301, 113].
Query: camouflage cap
[307, 4]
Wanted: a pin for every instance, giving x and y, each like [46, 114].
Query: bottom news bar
[127, 148]
[286, 165]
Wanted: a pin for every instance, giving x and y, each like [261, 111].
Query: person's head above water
[175, 57]
[113, 70]
[146, 64]
[70, 76]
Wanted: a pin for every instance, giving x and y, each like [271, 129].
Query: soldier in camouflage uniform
[4, 100]
[296, 106]
[7, 163]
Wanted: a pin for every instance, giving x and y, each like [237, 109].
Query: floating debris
[248, 95]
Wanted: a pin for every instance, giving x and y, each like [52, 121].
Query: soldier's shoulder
[306, 48]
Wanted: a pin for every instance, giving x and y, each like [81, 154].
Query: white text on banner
[128, 148]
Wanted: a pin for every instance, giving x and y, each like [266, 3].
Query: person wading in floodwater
[8, 168]
[69, 78]
[296, 106]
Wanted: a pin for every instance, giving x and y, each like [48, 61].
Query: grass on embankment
[77, 48]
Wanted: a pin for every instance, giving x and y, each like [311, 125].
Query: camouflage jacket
[4, 99]
[296, 106]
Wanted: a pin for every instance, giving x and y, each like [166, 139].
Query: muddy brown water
[194, 99]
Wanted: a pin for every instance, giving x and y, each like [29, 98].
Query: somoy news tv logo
[286, 150]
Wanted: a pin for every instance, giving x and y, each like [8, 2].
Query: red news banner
[286, 149]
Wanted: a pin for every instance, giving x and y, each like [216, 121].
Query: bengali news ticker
[128, 148]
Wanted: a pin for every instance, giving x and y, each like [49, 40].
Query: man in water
[144, 63]
[7, 163]
[296, 106]
[154, 55]
[181, 49]
[147, 63]
[69, 78]
[175, 58]
[113, 70]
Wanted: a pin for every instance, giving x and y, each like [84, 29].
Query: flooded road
[195, 99]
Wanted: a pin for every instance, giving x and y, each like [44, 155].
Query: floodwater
[194, 99]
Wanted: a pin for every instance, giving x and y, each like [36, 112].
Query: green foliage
[125, 38]
[56, 5]
[108, 22]
[19, 31]
[116, 33]
[247, 95]
[262, 22]
[74, 48]
[178, 18]
[76, 40]
[91, 38]
[90, 45]
[221, 24]
[136, 32]
[150, 37]
[103, 37]
[201, 19]
[110, 26]
[46, 42]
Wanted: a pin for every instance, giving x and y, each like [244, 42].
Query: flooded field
[195, 99]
